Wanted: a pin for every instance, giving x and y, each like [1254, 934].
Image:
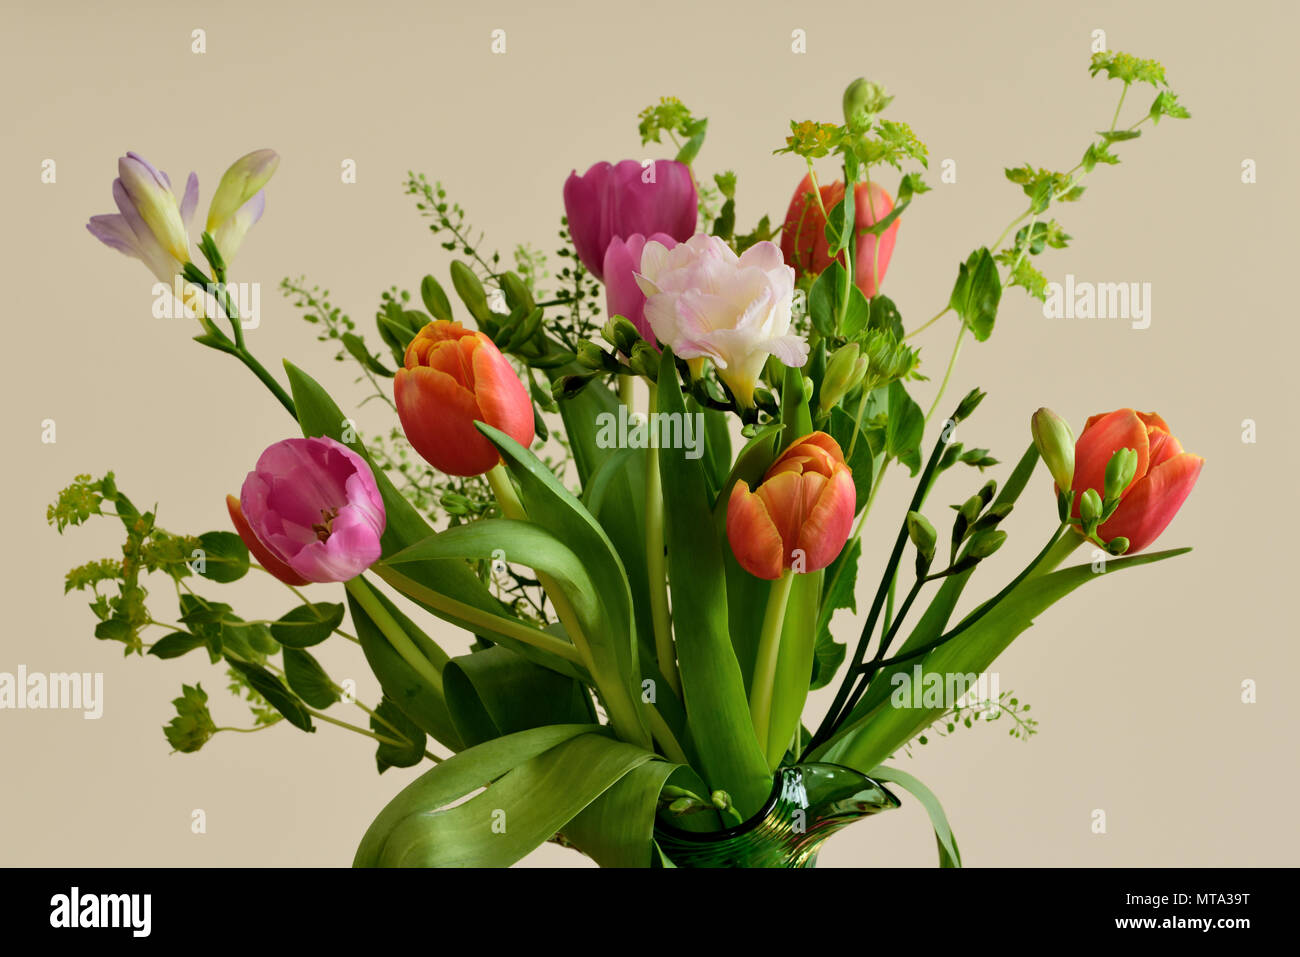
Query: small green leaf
[976, 293]
[388, 721]
[175, 645]
[308, 679]
[276, 694]
[225, 557]
[307, 625]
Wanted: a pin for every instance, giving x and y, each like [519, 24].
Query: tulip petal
[1102, 438]
[264, 556]
[1153, 502]
[438, 415]
[753, 535]
[829, 521]
[502, 400]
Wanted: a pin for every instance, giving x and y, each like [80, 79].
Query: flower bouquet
[643, 494]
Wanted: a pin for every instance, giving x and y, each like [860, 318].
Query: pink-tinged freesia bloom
[152, 223]
[799, 516]
[621, 199]
[623, 297]
[1163, 480]
[313, 506]
[708, 303]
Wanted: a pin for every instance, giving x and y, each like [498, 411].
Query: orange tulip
[799, 516]
[453, 378]
[803, 238]
[1163, 480]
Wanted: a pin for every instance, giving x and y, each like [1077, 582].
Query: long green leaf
[712, 685]
[459, 775]
[516, 813]
[949, 854]
[617, 829]
[877, 735]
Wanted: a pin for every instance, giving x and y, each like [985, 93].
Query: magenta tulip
[314, 506]
[620, 200]
[623, 297]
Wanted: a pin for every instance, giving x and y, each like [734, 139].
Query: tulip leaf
[552, 508]
[838, 592]
[409, 691]
[276, 694]
[859, 459]
[746, 594]
[307, 625]
[794, 668]
[864, 743]
[976, 293]
[308, 679]
[712, 685]
[796, 420]
[516, 812]
[617, 829]
[459, 775]
[494, 691]
[224, 557]
[949, 855]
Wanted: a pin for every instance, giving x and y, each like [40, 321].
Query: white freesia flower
[708, 303]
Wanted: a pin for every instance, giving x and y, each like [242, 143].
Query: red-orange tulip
[799, 516]
[453, 378]
[1164, 478]
[803, 238]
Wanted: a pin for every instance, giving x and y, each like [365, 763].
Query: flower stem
[396, 635]
[769, 647]
[952, 362]
[665, 652]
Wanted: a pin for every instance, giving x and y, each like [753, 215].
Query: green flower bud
[987, 492]
[969, 404]
[620, 333]
[844, 371]
[1117, 546]
[591, 355]
[644, 360]
[862, 100]
[721, 800]
[1119, 472]
[924, 537]
[1055, 443]
[1090, 510]
[985, 544]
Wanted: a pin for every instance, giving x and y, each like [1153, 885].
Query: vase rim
[736, 830]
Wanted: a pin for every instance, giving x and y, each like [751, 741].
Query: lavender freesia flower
[152, 223]
[314, 505]
[240, 200]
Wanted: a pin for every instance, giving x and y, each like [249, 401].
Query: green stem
[382, 739]
[657, 573]
[769, 647]
[929, 322]
[478, 618]
[625, 389]
[952, 362]
[394, 632]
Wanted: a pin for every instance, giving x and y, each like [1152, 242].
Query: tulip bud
[924, 537]
[453, 378]
[1055, 443]
[1119, 473]
[799, 516]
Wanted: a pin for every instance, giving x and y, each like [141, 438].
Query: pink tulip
[619, 200]
[314, 506]
[1163, 480]
[623, 297]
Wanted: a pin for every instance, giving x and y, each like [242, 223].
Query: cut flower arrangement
[643, 494]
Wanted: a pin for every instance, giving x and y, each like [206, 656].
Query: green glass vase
[809, 803]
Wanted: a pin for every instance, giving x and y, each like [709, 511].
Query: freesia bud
[1117, 546]
[151, 224]
[239, 184]
[1090, 510]
[454, 377]
[1119, 473]
[624, 199]
[924, 537]
[708, 303]
[311, 511]
[844, 372]
[799, 516]
[1055, 444]
[1161, 481]
[984, 544]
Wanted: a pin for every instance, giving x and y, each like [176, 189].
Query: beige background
[1136, 680]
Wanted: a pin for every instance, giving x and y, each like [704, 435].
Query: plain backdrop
[1136, 681]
